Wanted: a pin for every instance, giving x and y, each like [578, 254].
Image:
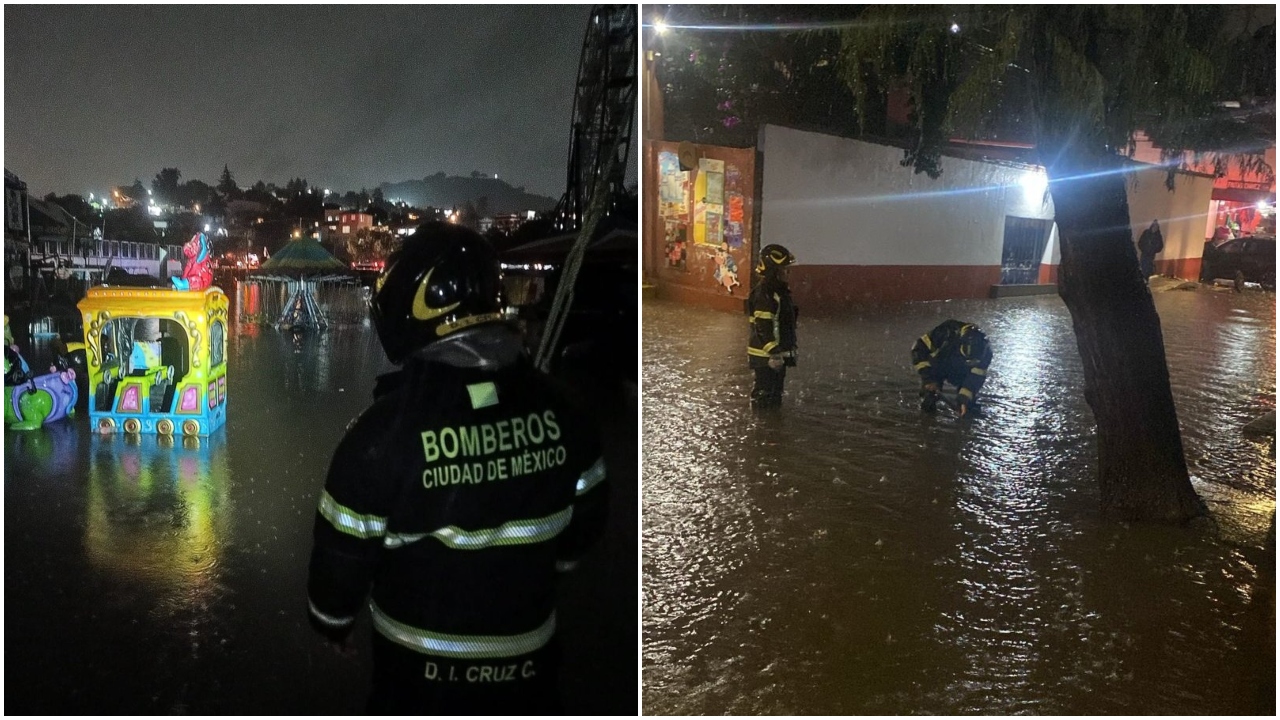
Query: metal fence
[62, 325]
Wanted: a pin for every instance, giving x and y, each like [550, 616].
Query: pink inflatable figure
[196, 273]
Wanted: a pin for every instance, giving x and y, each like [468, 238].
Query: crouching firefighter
[456, 498]
[771, 348]
[956, 353]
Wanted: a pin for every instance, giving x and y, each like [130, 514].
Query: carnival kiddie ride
[32, 401]
[157, 356]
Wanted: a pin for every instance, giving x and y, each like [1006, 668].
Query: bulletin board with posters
[674, 195]
[701, 216]
[708, 203]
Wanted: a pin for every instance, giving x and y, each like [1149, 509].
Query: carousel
[302, 287]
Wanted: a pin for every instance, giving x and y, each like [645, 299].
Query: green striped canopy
[303, 256]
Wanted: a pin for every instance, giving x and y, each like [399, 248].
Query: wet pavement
[143, 579]
[850, 555]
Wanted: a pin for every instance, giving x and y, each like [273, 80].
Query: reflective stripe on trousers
[461, 646]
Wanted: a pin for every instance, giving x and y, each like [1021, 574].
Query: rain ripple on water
[850, 555]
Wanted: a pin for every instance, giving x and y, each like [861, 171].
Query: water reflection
[157, 511]
[850, 555]
[165, 578]
[50, 451]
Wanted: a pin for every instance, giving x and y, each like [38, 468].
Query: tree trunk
[1142, 472]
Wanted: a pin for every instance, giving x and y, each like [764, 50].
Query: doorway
[1024, 243]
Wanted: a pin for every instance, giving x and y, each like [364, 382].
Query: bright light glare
[1034, 183]
[660, 26]
[955, 28]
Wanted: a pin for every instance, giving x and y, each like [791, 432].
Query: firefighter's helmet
[773, 257]
[443, 279]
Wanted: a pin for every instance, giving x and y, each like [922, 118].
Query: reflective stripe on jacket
[772, 318]
[954, 351]
[452, 503]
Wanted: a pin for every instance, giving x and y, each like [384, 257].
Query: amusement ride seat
[173, 362]
[171, 354]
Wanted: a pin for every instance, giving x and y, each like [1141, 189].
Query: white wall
[1182, 213]
[1052, 251]
[836, 201]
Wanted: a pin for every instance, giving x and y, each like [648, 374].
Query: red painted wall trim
[824, 288]
[1181, 268]
[691, 296]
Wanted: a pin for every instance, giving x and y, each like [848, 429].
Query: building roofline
[954, 150]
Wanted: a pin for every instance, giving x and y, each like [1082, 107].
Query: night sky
[346, 97]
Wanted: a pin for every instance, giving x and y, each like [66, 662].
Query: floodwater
[850, 555]
[144, 579]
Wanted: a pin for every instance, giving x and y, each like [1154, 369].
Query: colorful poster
[675, 245]
[715, 228]
[668, 164]
[679, 208]
[726, 274]
[732, 178]
[733, 234]
[736, 207]
[673, 188]
[708, 202]
[715, 189]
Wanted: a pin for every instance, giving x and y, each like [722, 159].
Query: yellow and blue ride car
[157, 359]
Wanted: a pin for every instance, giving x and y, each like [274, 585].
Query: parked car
[1244, 259]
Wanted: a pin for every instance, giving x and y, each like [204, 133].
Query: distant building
[346, 222]
[15, 207]
[17, 246]
[504, 223]
[1240, 197]
[245, 212]
[121, 199]
[865, 229]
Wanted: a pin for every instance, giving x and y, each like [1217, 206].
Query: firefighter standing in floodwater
[771, 348]
[953, 352]
[1150, 243]
[457, 497]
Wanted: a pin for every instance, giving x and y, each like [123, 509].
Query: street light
[74, 223]
[1034, 183]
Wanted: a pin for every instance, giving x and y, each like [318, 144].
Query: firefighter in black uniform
[771, 348]
[454, 500]
[953, 352]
